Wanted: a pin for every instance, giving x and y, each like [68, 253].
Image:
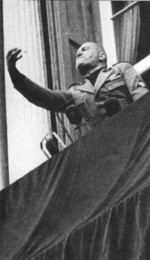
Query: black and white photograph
[74, 130]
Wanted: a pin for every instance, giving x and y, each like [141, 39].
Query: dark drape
[90, 201]
[127, 32]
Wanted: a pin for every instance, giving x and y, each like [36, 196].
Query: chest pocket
[112, 87]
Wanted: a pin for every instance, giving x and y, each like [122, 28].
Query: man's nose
[79, 53]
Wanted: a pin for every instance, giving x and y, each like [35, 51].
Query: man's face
[87, 56]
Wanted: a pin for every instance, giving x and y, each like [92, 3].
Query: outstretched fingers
[14, 54]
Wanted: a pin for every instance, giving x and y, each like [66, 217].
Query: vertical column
[27, 124]
[4, 179]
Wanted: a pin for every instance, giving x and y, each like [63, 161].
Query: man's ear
[102, 56]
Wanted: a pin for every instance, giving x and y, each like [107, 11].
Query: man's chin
[82, 68]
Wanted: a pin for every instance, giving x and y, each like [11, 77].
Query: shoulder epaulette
[76, 84]
[107, 69]
[120, 62]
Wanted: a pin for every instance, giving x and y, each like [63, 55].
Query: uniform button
[102, 110]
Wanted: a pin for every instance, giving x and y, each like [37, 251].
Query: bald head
[90, 56]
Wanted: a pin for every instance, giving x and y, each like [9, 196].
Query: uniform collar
[86, 86]
[93, 72]
[102, 76]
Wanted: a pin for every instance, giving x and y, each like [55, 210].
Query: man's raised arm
[51, 100]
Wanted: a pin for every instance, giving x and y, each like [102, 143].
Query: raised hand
[12, 57]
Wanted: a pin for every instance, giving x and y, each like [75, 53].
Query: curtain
[88, 202]
[127, 31]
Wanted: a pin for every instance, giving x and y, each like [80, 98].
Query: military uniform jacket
[119, 83]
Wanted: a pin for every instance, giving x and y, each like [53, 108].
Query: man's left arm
[135, 84]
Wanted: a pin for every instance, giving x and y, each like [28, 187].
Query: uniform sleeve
[53, 100]
[135, 84]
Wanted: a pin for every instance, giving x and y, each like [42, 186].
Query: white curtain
[27, 124]
[127, 31]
